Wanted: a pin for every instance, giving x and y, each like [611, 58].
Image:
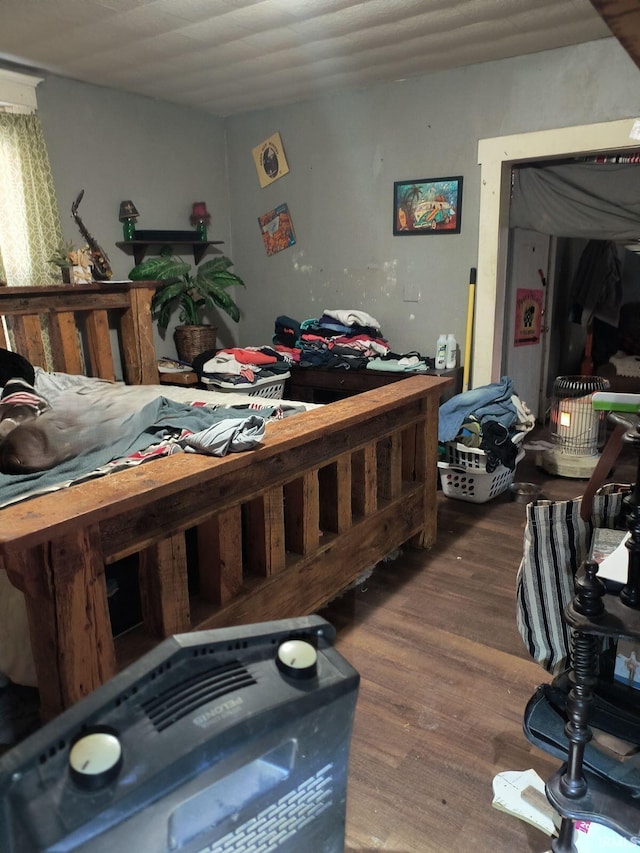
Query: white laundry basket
[464, 475]
[272, 388]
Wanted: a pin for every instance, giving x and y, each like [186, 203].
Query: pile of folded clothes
[242, 366]
[342, 338]
[490, 418]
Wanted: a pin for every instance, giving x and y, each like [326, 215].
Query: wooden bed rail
[72, 322]
[279, 531]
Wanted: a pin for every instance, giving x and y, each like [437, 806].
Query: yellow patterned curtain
[30, 229]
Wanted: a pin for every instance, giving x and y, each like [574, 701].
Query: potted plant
[74, 264]
[192, 293]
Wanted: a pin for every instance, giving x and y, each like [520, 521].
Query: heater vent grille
[188, 695]
[575, 424]
[280, 821]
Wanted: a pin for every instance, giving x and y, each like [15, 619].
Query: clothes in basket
[257, 371]
[480, 432]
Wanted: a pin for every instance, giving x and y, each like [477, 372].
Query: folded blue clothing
[329, 327]
[329, 324]
[488, 402]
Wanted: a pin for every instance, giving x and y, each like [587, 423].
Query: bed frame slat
[390, 467]
[220, 556]
[424, 466]
[65, 343]
[81, 608]
[364, 495]
[302, 514]
[27, 334]
[99, 345]
[335, 495]
[164, 593]
[138, 348]
[264, 524]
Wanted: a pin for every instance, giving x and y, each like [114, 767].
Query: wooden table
[180, 377]
[328, 384]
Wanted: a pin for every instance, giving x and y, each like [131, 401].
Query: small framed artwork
[627, 665]
[277, 229]
[271, 162]
[529, 304]
[427, 206]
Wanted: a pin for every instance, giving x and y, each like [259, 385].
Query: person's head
[15, 366]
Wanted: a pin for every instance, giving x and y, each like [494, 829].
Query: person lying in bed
[29, 449]
[28, 444]
[92, 429]
[19, 403]
[83, 428]
[24, 447]
[19, 407]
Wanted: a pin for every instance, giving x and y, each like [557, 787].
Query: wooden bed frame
[280, 530]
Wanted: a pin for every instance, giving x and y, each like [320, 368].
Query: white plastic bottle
[441, 352]
[452, 352]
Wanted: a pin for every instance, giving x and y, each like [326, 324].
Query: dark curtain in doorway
[594, 201]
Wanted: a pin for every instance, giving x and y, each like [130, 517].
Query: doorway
[496, 157]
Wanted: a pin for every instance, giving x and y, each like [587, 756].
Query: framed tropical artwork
[427, 206]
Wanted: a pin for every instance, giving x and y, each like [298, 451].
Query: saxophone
[101, 266]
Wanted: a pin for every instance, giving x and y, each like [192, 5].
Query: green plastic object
[609, 401]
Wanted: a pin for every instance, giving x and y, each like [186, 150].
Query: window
[29, 221]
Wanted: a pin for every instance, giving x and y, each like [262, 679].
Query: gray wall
[346, 151]
[118, 146]
[344, 154]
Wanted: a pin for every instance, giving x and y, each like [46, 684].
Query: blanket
[626, 365]
[489, 402]
[91, 427]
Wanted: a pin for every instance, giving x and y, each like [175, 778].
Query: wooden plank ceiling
[623, 19]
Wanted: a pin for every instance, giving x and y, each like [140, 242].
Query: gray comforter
[94, 422]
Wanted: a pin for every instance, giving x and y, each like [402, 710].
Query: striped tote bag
[556, 542]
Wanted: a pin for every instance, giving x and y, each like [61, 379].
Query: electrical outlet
[411, 293]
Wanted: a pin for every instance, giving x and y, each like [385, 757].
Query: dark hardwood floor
[445, 679]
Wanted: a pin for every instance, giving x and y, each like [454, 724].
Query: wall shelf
[176, 241]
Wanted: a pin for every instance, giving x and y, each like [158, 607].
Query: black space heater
[229, 740]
